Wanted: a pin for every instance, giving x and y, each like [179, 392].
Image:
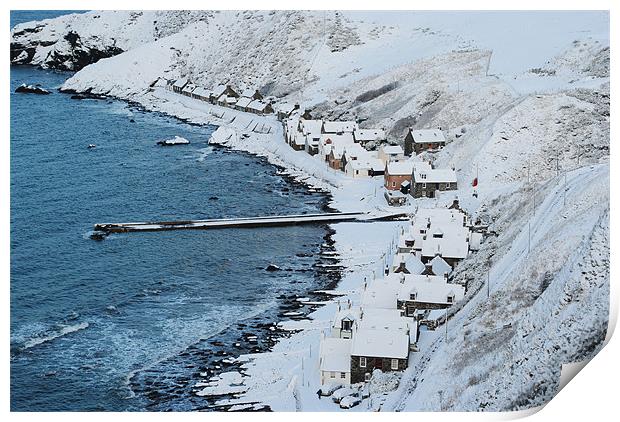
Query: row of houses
[384, 328]
[224, 95]
[341, 145]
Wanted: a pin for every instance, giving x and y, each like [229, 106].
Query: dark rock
[31, 89]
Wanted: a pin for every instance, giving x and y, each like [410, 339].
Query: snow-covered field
[523, 98]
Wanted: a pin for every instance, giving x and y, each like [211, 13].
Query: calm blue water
[21, 16]
[85, 315]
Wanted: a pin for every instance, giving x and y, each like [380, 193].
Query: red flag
[475, 182]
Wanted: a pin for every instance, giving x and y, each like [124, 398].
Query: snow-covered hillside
[73, 41]
[523, 98]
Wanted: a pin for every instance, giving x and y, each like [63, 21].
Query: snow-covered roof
[218, 91]
[427, 135]
[180, 83]
[311, 127]
[439, 216]
[286, 108]
[366, 163]
[392, 149]
[201, 91]
[452, 244]
[339, 127]
[189, 87]
[359, 164]
[376, 164]
[369, 135]
[400, 168]
[351, 313]
[335, 354]
[423, 173]
[248, 92]
[244, 101]
[428, 289]
[382, 318]
[380, 293]
[440, 266]
[385, 343]
[257, 105]
[329, 139]
[230, 100]
[355, 151]
[411, 261]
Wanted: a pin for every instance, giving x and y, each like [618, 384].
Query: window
[346, 325]
[362, 362]
[423, 176]
[394, 364]
[448, 186]
[413, 296]
[343, 375]
[393, 184]
[450, 298]
[332, 374]
[423, 185]
[357, 172]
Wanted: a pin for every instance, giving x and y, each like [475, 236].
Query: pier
[246, 222]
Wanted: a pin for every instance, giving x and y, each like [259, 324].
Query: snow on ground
[523, 98]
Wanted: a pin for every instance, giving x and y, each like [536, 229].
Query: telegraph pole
[528, 171]
[529, 236]
[565, 188]
[488, 283]
[446, 325]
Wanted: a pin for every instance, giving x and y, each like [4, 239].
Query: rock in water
[272, 267]
[177, 140]
[31, 89]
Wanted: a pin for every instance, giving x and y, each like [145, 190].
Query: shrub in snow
[381, 382]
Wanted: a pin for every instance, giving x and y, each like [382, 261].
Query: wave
[68, 329]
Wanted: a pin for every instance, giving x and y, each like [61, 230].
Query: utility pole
[528, 171]
[529, 236]
[446, 325]
[488, 283]
[565, 188]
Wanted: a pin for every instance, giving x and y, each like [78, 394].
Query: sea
[107, 325]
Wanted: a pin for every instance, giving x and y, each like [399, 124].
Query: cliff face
[74, 41]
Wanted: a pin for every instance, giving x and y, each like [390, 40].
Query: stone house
[426, 181]
[419, 140]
